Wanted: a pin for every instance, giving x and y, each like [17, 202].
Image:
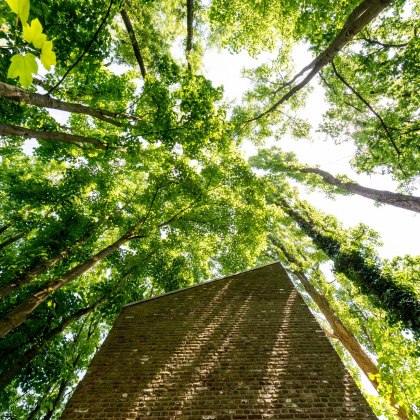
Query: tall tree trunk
[190, 21]
[26, 357]
[133, 40]
[358, 19]
[340, 331]
[403, 201]
[12, 239]
[11, 130]
[19, 95]
[30, 274]
[399, 301]
[20, 312]
[5, 227]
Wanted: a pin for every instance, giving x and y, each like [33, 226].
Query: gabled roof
[198, 285]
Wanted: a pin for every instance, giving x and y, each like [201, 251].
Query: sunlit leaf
[21, 8]
[33, 33]
[48, 56]
[23, 66]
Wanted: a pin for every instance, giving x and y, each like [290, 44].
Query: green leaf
[33, 33]
[23, 66]
[21, 8]
[48, 55]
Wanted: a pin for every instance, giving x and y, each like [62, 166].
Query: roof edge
[198, 284]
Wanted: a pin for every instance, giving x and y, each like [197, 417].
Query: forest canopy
[122, 175]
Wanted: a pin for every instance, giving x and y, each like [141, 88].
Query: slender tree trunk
[5, 227]
[19, 313]
[190, 32]
[358, 19]
[61, 392]
[399, 301]
[11, 130]
[28, 276]
[340, 331]
[347, 339]
[19, 95]
[133, 40]
[403, 201]
[19, 364]
[12, 239]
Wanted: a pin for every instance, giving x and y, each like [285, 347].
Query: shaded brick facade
[241, 347]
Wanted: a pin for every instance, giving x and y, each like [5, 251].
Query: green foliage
[23, 66]
[169, 181]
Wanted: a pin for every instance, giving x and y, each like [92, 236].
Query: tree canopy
[123, 175]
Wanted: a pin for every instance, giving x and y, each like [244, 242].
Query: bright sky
[399, 229]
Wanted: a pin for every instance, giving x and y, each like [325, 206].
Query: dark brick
[242, 347]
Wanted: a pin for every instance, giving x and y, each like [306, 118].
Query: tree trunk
[190, 32]
[399, 301]
[358, 19]
[12, 239]
[11, 130]
[36, 349]
[133, 40]
[403, 201]
[20, 312]
[27, 277]
[5, 227]
[19, 95]
[340, 331]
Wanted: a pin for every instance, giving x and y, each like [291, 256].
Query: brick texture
[242, 347]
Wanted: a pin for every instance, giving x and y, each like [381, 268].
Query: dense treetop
[139, 186]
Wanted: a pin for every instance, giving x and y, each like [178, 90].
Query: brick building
[241, 347]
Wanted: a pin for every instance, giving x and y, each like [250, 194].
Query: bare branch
[385, 127]
[403, 201]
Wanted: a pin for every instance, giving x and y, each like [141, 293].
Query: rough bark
[21, 311]
[359, 18]
[45, 101]
[340, 331]
[11, 130]
[133, 40]
[407, 202]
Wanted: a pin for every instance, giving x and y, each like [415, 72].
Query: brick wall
[242, 347]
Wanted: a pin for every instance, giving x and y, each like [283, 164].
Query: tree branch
[385, 127]
[374, 42]
[360, 17]
[403, 201]
[190, 20]
[87, 48]
[133, 39]
[11, 130]
[19, 95]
